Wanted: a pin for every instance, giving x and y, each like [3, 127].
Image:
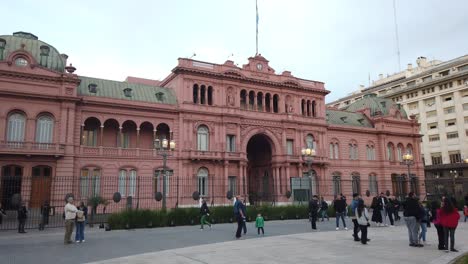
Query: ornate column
[138, 137]
[101, 136]
[255, 102]
[120, 137]
[81, 134]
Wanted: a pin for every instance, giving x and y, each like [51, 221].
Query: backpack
[80, 216]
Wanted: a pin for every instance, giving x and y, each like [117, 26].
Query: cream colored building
[436, 94]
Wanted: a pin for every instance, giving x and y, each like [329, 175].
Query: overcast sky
[336, 42]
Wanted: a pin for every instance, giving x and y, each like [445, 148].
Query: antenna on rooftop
[396, 35]
[194, 54]
[230, 55]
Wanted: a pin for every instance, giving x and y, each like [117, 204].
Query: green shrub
[191, 216]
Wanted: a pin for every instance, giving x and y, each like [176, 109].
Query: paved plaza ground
[289, 241]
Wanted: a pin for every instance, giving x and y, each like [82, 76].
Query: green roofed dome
[377, 105]
[45, 54]
[125, 91]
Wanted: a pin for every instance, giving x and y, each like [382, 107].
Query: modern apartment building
[436, 94]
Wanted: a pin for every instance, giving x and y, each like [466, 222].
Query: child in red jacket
[449, 217]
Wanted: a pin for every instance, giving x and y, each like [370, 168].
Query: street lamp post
[408, 160]
[164, 149]
[454, 174]
[308, 155]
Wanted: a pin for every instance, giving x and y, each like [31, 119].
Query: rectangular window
[84, 183]
[451, 122]
[230, 143]
[436, 158]
[452, 135]
[463, 68]
[290, 147]
[433, 138]
[123, 183]
[432, 126]
[203, 185]
[96, 183]
[465, 106]
[159, 178]
[412, 83]
[336, 185]
[449, 110]
[431, 114]
[455, 157]
[373, 188]
[444, 73]
[413, 106]
[427, 78]
[447, 98]
[125, 140]
[331, 148]
[132, 183]
[232, 184]
[89, 138]
[429, 102]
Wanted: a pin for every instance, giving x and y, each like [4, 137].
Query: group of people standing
[75, 216]
[386, 207]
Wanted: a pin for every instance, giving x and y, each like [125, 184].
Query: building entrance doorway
[259, 169]
[11, 185]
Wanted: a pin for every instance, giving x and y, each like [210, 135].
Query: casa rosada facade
[238, 129]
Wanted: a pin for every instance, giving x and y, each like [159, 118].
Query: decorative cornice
[180, 70]
[64, 78]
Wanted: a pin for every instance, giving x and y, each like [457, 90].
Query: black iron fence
[44, 197]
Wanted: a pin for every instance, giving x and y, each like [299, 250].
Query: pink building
[236, 128]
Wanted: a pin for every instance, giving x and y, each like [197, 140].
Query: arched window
[409, 149]
[195, 93]
[314, 113]
[202, 138]
[203, 94]
[310, 142]
[400, 152]
[370, 152]
[44, 129]
[243, 99]
[275, 103]
[251, 100]
[373, 187]
[268, 102]
[353, 151]
[356, 183]
[203, 181]
[303, 107]
[123, 183]
[332, 149]
[210, 95]
[390, 152]
[16, 127]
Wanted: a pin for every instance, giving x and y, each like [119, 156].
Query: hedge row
[191, 216]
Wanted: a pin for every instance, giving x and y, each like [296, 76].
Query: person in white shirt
[70, 216]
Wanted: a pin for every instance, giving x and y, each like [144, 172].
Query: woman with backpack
[81, 216]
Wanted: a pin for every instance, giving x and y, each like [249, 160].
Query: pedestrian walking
[259, 224]
[81, 216]
[396, 209]
[205, 212]
[383, 203]
[244, 222]
[354, 206]
[362, 217]
[2, 213]
[45, 212]
[239, 215]
[313, 211]
[423, 223]
[465, 211]
[411, 214]
[435, 218]
[340, 210]
[376, 215]
[449, 217]
[324, 209]
[22, 216]
[390, 208]
[70, 216]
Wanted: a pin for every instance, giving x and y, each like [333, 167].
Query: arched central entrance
[259, 169]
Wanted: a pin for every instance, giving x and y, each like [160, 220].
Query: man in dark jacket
[313, 210]
[411, 213]
[45, 211]
[239, 215]
[324, 209]
[22, 216]
[340, 210]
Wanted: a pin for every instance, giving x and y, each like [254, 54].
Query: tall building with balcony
[436, 94]
[238, 130]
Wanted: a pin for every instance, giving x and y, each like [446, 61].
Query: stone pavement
[388, 245]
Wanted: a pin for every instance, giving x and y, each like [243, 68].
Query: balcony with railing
[31, 148]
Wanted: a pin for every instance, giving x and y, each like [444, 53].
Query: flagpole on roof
[256, 35]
